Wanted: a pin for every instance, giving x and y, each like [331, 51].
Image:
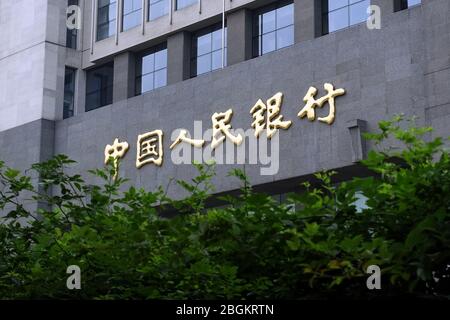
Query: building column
[239, 26]
[178, 57]
[307, 20]
[124, 76]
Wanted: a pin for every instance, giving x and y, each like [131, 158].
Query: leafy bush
[252, 248]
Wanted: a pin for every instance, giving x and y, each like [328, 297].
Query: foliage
[317, 245]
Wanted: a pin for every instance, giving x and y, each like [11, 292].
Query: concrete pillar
[178, 57]
[307, 19]
[239, 25]
[124, 76]
[356, 129]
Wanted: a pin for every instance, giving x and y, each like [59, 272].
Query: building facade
[134, 67]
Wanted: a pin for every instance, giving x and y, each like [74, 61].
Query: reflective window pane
[161, 59]
[71, 35]
[269, 21]
[132, 14]
[204, 64]
[285, 37]
[106, 19]
[147, 83]
[131, 20]
[207, 50]
[358, 12]
[336, 4]
[112, 28]
[273, 28]
[413, 2]
[339, 14]
[338, 19]
[151, 69]
[184, 3]
[216, 60]
[160, 78]
[268, 42]
[127, 6]
[285, 16]
[405, 4]
[158, 8]
[204, 44]
[69, 93]
[99, 86]
[217, 40]
[148, 63]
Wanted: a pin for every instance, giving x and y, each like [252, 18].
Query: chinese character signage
[266, 117]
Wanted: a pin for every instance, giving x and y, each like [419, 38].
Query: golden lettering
[150, 149]
[311, 103]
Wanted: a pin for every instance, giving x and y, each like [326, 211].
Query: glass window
[106, 19]
[405, 4]
[273, 28]
[207, 50]
[99, 86]
[132, 14]
[151, 69]
[158, 8]
[340, 14]
[184, 3]
[71, 35]
[414, 2]
[69, 93]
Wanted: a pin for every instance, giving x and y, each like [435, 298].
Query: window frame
[401, 5]
[194, 47]
[112, 2]
[123, 15]
[325, 16]
[257, 36]
[109, 100]
[68, 113]
[72, 35]
[149, 5]
[139, 73]
[186, 5]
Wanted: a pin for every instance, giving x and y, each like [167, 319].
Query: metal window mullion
[119, 19]
[223, 37]
[94, 13]
[171, 2]
[145, 9]
[276, 29]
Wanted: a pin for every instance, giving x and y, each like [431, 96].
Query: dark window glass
[273, 28]
[69, 93]
[71, 35]
[184, 3]
[158, 8]
[207, 50]
[340, 14]
[106, 19]
[151, 69]
[99, 86]
[132, 14]
[405, 4]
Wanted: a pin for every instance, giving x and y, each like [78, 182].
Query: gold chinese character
[311, 103]
[150, 149]
[116, 151]
[273, 121]
[182, 137]
[221, 126]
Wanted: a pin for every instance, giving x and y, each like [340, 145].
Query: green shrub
[252, 248]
